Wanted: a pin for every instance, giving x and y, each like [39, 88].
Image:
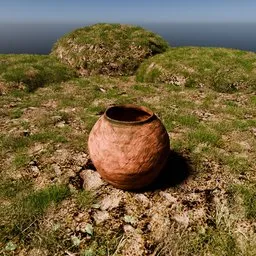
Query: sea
[39, 38]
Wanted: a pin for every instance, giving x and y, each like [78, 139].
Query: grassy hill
[223, 70]
[109, 49]
[203, 203]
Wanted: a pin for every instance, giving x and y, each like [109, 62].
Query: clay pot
[128, 146]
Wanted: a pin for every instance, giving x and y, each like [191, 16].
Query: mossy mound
[33, 71]
[224, 70]
[109, 49]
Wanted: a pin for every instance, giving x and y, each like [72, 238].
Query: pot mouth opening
[128, 114]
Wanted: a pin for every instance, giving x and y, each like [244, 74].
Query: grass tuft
[23, 213]
[248, 194]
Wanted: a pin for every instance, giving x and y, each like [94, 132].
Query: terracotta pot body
[129, 146]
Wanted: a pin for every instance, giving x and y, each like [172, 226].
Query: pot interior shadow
[176, 170]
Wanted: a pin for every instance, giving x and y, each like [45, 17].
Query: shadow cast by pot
[176, 170]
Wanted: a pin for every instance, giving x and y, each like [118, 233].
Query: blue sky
[132, 11]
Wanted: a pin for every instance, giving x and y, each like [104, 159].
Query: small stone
[68, 230]
[60, 124]
[32, 108]
[56, 169]
[37, 149]
[33, 163]
[102, 90]
[96, 206]
[82, 227]
[37, 252]
[254, 131]
[182, 219]
[92, 180]
[35, 171]
[26, 133]
[143, 199]
[101, 216]
[168, 197]
[72, 189]
[80, 215]
[110, 202]
[81, 159]
[75, 240]
[245, 145]
[128, 229]
[56, 119]
[77, 219]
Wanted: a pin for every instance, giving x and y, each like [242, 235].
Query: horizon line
[125, 22]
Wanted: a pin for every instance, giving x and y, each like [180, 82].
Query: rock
[56, 119]
[159, 225]
[35, 171]
[60, 124]
[56, 169]
[143, 199]
[101, 216]
[245, 145]
[61, 155]
[92, 180]
[110, 202]
[80, 159]
[128, 229]
[171, 199]
[33, 163]
[134, 245]
[182, 219]
[36, 149]
[26, 133]
[38, 252]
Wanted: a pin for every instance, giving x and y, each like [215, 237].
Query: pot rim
[130, 106]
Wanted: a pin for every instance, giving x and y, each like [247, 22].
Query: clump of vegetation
[111, 49]
[33, 71]
[19, 217]
[248, 195]
[224, 70]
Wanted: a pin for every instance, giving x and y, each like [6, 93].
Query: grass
[50, 127]
[25, 211]
[110, 49]
[10, 188]
[33, 71]
[18, 143]
[21, 159]
[223, 70]
[212, 242]
[248, 194]
[85, 199]
[204, 135]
